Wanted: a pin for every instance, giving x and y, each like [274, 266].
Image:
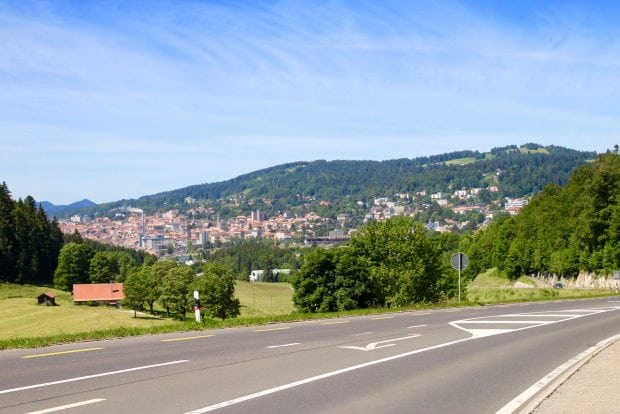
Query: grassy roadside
[23, 324]
[493, 287]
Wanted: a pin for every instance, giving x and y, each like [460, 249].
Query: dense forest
[31, 246]
[564, 229]
[517, 172]
[29, 242]
[244, 256]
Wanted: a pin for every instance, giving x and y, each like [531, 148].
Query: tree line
[172, 285]
[244, 256]
[29, 241]
[563, 231]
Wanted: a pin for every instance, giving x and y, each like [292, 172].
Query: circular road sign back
[459, 261]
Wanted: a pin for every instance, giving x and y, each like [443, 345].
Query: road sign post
[459, 261]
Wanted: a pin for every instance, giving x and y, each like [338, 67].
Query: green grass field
[21, 316]
[261, 299]
[25, 324]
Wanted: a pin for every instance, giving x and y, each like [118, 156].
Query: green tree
[406, 264]
[135, 288]
[103, 268]
[314, 284]
[332, 280]
[7, 235]
[217, 291]
[73, 266]
[125, 262]
[176, 291]
[154, 280]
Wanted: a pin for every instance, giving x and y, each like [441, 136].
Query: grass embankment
[495, 287]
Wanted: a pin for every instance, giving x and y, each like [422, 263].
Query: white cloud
[119, 91]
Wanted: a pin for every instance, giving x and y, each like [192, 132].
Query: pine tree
[7, 235]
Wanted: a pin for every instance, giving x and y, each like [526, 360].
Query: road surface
[465, 360]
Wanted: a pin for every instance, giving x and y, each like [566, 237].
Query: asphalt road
[467, 360]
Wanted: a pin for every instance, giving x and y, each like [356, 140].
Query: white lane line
[550, 315]
[497, 322]
[319, 377]
[340, 371]
[282, 346]
[65, 407]
[363, 333]
[522, 398]
[416, 326]
[103, 374]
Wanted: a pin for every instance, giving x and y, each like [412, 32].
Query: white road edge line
[352, 368]
[103, 374]
[282, 346]
[320, 377]
[522, 398]
[65, 407]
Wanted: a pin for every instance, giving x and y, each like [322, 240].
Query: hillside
[65, 210]
[564, 230]
[516, 171]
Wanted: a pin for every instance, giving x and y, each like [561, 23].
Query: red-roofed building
[110, 293]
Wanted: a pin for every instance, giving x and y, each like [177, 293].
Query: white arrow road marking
[375, 345]
[320, 377]
[65, 407]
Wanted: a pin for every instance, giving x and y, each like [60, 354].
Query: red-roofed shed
[110, 293]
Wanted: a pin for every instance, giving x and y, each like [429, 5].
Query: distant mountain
[65, 210]
[516, 171]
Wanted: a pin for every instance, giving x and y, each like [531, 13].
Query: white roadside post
[197, 305]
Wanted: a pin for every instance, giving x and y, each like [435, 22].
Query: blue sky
[118, 99]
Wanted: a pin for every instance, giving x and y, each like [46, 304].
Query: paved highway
[466, 360]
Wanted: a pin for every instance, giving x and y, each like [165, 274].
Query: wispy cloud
[110, 87]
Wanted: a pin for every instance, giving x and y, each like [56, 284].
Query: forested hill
[563, 231]
[516, 171]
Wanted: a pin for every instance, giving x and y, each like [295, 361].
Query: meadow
[25, 324]
[23, 321]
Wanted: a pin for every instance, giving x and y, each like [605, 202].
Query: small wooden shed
[47, 298]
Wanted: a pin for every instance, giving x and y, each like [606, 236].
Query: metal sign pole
[459, 284]
[459, 262]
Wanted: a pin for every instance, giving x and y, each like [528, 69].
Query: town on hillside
[198, 227]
